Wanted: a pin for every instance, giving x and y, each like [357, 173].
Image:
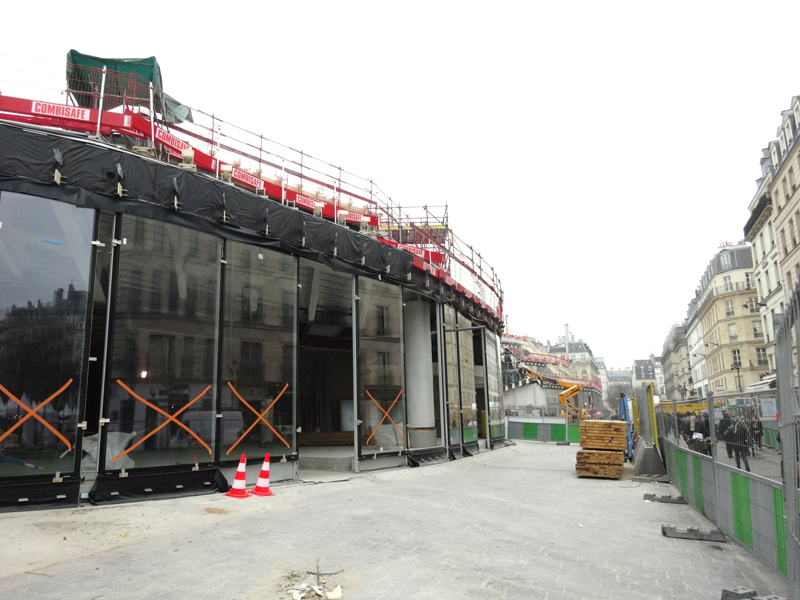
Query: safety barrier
[520, 429]
[744, 506]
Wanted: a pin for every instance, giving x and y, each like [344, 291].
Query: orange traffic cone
[238, 489]
[262, 485]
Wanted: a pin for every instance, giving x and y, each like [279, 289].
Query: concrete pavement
[513, 523]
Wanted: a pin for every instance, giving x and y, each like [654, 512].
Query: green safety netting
[127, 82]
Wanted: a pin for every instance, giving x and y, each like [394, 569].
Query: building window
[732, 335]
[729, 308]
[752, 305]
[155, 291]
[727, 282]
[758, 332]
[748, 280]
[735, 356]
[251, 367]
[761, 354]
[382, 314]
[187, 360]
[725, 260]
[173, 298]
[161, 358]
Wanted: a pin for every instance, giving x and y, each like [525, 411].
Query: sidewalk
[766, 462]
[513, 523]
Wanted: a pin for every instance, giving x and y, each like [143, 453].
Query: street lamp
[735, 367]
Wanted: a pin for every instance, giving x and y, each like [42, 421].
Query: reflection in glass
[467, 376]
[258, 358]
[380, 352]
[451, 371]
[326, 407]
[497, 429]
[45, 256]
[162, 378]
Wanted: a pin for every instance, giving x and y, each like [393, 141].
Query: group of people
[740, 434]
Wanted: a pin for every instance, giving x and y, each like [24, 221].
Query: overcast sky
[595, 153]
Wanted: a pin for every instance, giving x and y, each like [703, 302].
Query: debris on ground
[336, 594]
[326, 587]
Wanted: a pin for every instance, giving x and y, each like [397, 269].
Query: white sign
[247, 179]
[61, 110]
[170, 140]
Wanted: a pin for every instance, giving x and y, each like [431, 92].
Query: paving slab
[513, 523]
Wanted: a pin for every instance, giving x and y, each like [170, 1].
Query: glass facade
[258, 352]
[44, 291]
[193, 350]
[452, 374]
[469, 406]
[326, 407]
[162, 384]
[382, 406]
[493, 383]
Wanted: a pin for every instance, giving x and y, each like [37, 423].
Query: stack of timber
[603, 444]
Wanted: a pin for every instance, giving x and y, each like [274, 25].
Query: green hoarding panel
[530, 431]
[742, 517]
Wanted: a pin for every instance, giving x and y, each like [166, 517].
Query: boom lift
[570, 391]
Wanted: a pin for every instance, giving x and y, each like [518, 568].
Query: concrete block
[769, 598]
[665, 498]
[738, 593]
[693, 533]
[647, 460]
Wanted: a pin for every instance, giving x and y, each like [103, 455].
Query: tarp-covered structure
[127, 84]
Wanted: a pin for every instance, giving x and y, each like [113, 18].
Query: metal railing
[425, 227]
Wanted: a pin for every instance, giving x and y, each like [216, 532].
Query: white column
[419, 374]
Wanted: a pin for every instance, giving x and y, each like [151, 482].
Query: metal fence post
[782, 331]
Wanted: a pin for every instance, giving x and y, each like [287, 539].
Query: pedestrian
[687, 430]
[741, 442]
[725, 432]
[758, 431]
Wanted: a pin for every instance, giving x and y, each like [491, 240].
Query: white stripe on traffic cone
[238, 489]
[262, 485]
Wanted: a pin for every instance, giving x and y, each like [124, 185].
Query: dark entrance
[325, 412]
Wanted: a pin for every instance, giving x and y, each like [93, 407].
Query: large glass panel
[161, 403]
[326, 405]
[493, 389]
[451, 372]
[380, 356]
[45, 257]
[258, 352]
[421, 359]
[467, 373]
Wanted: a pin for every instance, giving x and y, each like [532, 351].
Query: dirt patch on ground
[211, 510]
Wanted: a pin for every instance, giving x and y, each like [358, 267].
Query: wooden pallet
[604, 471]
[598, 463]
[604, 435]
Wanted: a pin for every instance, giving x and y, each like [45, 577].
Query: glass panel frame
[160, 400]
[494, 387]
[452, 381]
[45, 245]
[381, 368]
[259, 353]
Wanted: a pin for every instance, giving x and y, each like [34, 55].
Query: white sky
[596, 153]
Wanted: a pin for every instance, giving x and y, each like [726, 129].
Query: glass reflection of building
[43, 310]
[203, 348]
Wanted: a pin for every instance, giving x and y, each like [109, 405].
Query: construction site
[178, 291]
